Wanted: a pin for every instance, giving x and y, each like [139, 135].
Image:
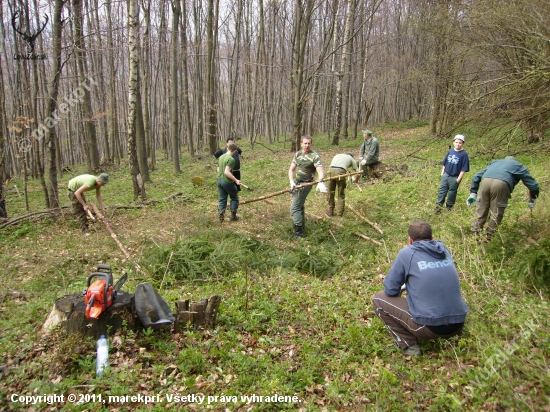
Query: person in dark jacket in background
[227, 184]
[369, 153]
[455, 164]
[434, 307]
[492, 187]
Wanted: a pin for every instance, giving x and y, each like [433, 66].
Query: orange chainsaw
[101, 293]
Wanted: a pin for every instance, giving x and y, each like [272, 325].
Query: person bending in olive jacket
[492, 187]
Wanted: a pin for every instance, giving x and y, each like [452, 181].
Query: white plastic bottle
[102, 358]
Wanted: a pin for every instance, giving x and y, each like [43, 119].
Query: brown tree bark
[133, 95]
[185, 70]
[174, 121]
[212, 110]
[53, 91]
[80, 51]
[302, 20]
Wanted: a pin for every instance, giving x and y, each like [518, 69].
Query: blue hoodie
[433, 289]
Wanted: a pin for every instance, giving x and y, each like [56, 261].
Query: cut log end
[197, 315]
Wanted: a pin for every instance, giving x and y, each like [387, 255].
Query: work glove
[360, 157]
[531, 204]
[292, 186]
[471, 199]
[321, 187]
[364, 162]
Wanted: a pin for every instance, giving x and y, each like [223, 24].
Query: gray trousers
[394, 312]
[492, 200]
[297, 210]
[447, 189]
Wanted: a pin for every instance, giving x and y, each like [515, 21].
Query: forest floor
[296, 330]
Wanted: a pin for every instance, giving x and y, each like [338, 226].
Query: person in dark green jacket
[492, 187]
[227, 184]
[369, 153]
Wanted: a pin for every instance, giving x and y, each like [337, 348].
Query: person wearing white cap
[368, 153]
[455, 164]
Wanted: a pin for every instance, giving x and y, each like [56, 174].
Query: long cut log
[282, 192]
[35, 215]
[365, 219]
[198, 315]
[376, 242]
[113, 235]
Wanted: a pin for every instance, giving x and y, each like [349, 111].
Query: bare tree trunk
[133, 95]
[268, 125]
[83, 74]
[176, 13]
[38, 161]
[185, 69]
[53, 91]
[302, 19]
[113, 118]
[97, 65]
[150, 140]
[211, 30]
[341, 73]
[234, 68]
[198, 73]
[140, 136]
[3, 139]
[327, 35]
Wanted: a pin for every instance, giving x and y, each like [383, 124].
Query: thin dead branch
[100, 217]
[374, 225]
[282, 192]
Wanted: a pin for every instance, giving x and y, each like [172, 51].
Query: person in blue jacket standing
[455, 164]
[433, 307]
[492, 187]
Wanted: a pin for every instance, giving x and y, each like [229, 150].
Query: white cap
[459, 137]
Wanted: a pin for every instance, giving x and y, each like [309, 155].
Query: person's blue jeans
[225, 189]
[448, 188]
[297, 211]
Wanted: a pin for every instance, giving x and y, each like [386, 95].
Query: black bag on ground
[151, 308]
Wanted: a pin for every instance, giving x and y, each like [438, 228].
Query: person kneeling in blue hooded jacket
[433, 307]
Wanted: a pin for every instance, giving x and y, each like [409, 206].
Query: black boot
[234, 216]
[298, 231]
[221, 215]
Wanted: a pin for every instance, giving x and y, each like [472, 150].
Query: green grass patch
[296, 317]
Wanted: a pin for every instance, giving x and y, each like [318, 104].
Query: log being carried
[282, 192]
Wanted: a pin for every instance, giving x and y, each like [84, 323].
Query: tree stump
[377, 169]
[198, 315]
[69, 313]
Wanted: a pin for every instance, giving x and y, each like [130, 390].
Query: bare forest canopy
[89, 81]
